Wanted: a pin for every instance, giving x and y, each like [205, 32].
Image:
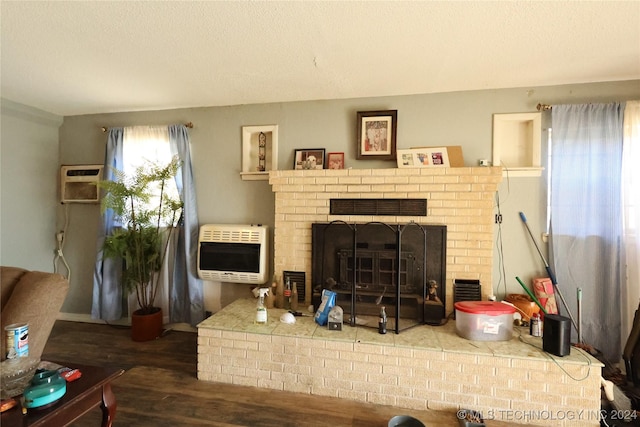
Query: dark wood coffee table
[84, 394]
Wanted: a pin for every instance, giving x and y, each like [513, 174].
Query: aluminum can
[535, 326]
[17, 336]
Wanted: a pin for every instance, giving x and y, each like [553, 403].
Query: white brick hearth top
[425, 367]
[239, 316]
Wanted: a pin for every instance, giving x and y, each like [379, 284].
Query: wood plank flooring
[160, 387]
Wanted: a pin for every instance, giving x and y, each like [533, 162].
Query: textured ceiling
[72, 58]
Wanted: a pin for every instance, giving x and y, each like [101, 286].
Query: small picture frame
[335, 160]
[308, 159]
[377, 135]
[423, 157]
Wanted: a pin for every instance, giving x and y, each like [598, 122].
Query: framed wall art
[423, 157]
[377, 135]
[308, 158]
[335, 160]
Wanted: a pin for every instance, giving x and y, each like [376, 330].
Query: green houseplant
[148, 214]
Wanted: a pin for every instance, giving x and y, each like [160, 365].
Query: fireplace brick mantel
[460, 198]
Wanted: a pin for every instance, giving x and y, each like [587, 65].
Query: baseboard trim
[86, 318]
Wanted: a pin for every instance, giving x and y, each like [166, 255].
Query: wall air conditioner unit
[78, 183]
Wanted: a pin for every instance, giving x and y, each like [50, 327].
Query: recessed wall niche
[516, 143]
[259, 152]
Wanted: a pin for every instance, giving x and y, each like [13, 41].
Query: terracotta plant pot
[146, 327]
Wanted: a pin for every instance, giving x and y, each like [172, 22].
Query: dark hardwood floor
[160, 388]
[107, 345]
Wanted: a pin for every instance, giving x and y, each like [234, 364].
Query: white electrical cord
[512, 305]
[60, 237]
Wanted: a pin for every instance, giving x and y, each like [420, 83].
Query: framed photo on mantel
[423, 157]
[335, 160]
[308, 158]
[377, 135]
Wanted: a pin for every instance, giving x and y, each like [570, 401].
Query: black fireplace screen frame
[410, 258]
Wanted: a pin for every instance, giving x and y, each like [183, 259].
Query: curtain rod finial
[543, 107]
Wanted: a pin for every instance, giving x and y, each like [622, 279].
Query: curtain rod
[543, 107]
[189, 125]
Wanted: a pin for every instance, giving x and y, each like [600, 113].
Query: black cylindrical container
[556, 335]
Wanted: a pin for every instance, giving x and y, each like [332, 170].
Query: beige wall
[459, 118]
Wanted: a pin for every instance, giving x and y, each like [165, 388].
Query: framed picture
[335, 160]
[308, 158]
[423, 157]
[377, 135]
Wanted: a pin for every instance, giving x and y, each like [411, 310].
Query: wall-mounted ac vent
[383, 207]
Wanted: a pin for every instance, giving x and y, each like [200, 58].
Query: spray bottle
[261, 310]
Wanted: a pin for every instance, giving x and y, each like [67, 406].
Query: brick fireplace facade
[424, 367]
[460, 198]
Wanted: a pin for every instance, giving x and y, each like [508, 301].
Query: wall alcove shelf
[259, 152]
[516, 143]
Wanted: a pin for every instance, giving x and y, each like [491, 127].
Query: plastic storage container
[484, 320]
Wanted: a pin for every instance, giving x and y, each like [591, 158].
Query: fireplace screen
[370, 265]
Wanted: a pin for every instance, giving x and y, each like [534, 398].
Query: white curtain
[631, 214]
[145, 144]
[149, 144]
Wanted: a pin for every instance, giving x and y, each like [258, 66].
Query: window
[142, 144]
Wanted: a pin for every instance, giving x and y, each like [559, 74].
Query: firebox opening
[370, 265]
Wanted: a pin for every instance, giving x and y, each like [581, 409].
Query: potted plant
[148, 216]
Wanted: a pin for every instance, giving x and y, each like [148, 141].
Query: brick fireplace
[460, 198]
[424, 367]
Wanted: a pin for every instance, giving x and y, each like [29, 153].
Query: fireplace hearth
[369, 265]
